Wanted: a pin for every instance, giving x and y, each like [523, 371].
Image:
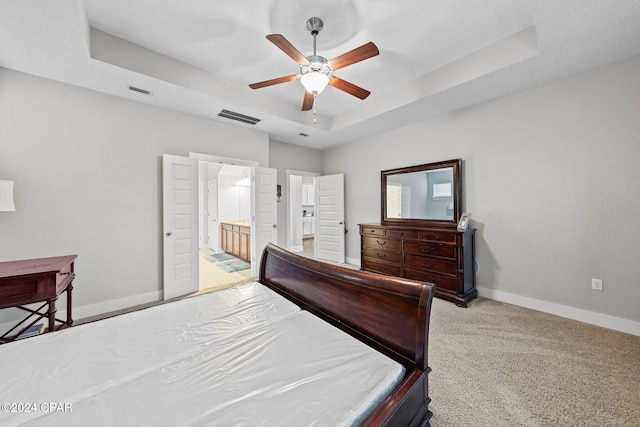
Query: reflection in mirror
[437, 185]
[426, 193]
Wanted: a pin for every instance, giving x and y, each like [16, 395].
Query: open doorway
[181, 221]
[301, 215]
[225, 224]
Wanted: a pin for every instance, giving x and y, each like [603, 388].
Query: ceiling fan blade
[273, 81]
[358, 54]
[307, 103]
[288, 48]
[350, 88]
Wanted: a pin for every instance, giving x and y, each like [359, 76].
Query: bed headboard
[387, 313]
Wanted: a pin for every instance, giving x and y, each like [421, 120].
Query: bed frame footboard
[387, 313]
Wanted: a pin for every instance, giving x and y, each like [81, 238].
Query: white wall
[87, 172]
[234, 201]
[550, 177]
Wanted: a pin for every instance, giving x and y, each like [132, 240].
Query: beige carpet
[497, 364]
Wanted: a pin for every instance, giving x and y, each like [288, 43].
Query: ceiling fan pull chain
[314, 109]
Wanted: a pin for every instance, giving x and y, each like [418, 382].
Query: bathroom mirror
[427, 195]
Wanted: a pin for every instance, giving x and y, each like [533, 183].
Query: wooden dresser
[442, 256]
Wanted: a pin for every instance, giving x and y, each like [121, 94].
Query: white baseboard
[591, 317]
[81, 312]
[353, 261]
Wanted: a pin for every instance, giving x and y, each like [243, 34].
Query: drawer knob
[427, 251]
[382, 255]
[427, 266]
[381, 243]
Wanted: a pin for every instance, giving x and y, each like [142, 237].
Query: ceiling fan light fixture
[314, 81]
[316, 72]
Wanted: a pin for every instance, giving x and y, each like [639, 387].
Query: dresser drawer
[389, 256]
[403, 234]
[434, 264]
[439, 236]
[432, 249]
[381, 243]
[441, 282]
[375, 231]
[381, 267]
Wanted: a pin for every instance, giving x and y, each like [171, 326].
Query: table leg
[51, 314]
[69, 318]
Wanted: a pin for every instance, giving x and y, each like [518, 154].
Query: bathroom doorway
[225, 224]
[239, 206]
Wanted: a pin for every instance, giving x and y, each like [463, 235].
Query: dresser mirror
[427, 195]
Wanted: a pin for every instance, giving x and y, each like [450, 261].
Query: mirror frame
[456, 164]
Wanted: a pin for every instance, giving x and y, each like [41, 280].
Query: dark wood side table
[32, 281]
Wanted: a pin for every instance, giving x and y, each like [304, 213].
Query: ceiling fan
[316, 72]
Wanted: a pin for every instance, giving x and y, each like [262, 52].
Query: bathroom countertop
[238, 223]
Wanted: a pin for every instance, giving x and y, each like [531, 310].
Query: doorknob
[275, 225]
[169, 233]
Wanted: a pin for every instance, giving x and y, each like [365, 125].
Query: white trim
[300, 173]
[218, 159]
[585, 316]
[111, 305]
[354, 261]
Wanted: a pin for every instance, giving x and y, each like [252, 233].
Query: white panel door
[265, 225]
[329, 215]
[180, 225]
[212, 221]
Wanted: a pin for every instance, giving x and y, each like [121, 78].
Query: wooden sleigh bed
[160, 366]
[389, 314]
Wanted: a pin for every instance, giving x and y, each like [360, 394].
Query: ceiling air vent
[137, 89]
[238, 117]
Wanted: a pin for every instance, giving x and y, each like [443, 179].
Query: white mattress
[239, 357]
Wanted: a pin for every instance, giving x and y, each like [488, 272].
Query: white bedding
[243, 356]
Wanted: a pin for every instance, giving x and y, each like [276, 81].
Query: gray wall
[87, 172]
[550, 177]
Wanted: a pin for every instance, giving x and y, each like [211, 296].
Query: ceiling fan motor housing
[316, 63]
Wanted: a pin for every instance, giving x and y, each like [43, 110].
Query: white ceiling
[198, 56]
